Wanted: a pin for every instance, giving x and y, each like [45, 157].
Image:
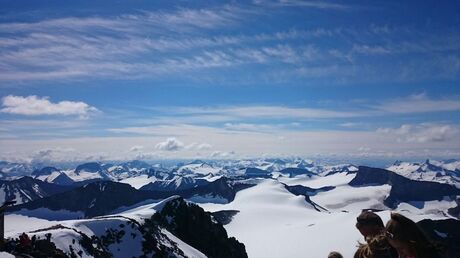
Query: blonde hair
[376, 247]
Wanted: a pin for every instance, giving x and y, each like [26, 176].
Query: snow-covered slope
[274, 223]
[131, 233]
[120, 236]
[52, 175]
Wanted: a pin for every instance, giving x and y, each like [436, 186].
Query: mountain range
[261, 206]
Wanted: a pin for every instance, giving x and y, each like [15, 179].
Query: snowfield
[138, 181]
[274, 223]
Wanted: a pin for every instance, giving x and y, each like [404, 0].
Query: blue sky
[194, 79]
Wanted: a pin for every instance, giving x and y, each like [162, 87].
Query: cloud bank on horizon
[229, 79]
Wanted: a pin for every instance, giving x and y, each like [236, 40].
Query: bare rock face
[193, 225]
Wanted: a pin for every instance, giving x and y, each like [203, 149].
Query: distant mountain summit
[97, 198]
[27, 189]
[176, 183]
[430, 170]
[52, 175]
[89, 172]
[402, 188]
[15, 169]
[44, 171]
[92, 167]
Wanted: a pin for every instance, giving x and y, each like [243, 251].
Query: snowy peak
[52, 175]
[15, 169]
[197, 168]
[27, 189]
[175, 184]
[430, 170]
[92, 171]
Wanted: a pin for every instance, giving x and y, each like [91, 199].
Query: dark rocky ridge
[307, 192]
[102, 197]
[297, 171]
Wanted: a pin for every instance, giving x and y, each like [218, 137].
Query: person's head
[376, 247]
[334, 255]
[369, 224]
[406, 237]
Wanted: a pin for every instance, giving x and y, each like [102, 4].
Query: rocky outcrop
[307, 192]
[193, 225]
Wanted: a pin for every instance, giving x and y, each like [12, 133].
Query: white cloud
[204, 146]
[136, 148]
[199, 18]
[198, 146]
[419, 103]
[422, 133]
[171, 144]
[33, 105]
[302, 3]
[269, 112]
[251, 127]
[370, 50]
[351, 125]
[222, 154]
[383, 143]
[48, 155]
[69, 48]
[147, 156]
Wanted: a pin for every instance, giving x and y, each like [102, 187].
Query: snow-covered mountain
[402, 188]
[175, 183]
[197, 167]
[52, 175]
[93, 199]
[88, 172]
[128, 169]
[9, 169]
[27, 189]
[430, 170]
